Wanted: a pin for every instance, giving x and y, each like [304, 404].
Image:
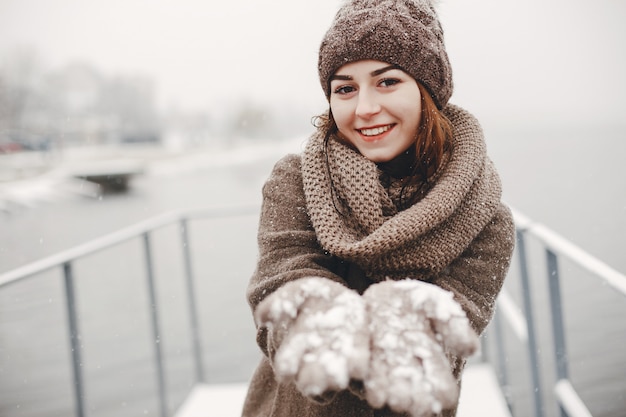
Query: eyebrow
[383, 70]
[374, 73]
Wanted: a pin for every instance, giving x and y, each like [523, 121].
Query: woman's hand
[413, 325]
[321, 332]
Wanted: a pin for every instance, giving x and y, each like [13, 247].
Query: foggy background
[210, 94]
[515, 63]
[544, 77]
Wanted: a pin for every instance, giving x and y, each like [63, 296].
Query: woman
[383, 246]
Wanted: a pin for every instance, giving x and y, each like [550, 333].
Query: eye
[344, 89]
[388, 82]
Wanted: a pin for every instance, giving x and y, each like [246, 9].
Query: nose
[367, 104]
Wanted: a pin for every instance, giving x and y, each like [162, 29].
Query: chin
[378, 157]
[379, 160]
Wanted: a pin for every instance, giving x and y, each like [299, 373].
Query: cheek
[417, 118]
[412, 116]
[341, 114]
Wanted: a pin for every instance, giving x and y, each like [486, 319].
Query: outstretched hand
[321, 332]
[412, 325]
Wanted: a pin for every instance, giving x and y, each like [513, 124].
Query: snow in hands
[395, 338]
[321, 329]
[413, 325]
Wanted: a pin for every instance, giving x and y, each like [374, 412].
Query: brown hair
[434, 137]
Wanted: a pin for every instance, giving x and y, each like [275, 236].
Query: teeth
[375, 131]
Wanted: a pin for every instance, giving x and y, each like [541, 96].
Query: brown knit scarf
[356, 219]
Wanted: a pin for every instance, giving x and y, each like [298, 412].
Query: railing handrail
[549, 238]
[523, 326]
[562, 246]
[120, 236]
[554, 244]
[142, 229]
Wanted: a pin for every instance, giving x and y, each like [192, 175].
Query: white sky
[513, 61]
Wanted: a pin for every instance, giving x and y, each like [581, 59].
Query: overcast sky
[513, 61]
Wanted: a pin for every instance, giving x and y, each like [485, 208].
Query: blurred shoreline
[29, 177]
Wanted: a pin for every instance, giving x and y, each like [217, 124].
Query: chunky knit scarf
[355, 218]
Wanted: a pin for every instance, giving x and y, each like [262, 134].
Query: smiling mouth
[375, 131]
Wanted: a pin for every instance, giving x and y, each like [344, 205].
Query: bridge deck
[480, 396]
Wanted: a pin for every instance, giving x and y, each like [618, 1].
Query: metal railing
[143, 230]
[524, 326]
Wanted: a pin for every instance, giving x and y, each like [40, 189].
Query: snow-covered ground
[480, 396]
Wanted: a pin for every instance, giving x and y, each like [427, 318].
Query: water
[117, 344]
[573, 181]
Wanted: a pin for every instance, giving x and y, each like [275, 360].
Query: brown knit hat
[406, 33]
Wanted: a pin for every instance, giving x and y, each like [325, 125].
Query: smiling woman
[383, 246]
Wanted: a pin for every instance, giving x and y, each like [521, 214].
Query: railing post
[156, 333]
[528, 311]
[501, 358]
[558, 328]
[75, 345]
[191, 298]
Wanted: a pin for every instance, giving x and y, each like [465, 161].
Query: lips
[373, 132]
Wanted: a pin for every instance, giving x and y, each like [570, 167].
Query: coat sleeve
[476, 277]
[288, 247]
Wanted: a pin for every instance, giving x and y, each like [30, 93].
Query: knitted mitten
[320, 330]
[413, 325]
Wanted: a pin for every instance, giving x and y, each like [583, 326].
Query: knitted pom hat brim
[406, 33]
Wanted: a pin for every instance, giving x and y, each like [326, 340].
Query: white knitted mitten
[321, 332]
[413, 325]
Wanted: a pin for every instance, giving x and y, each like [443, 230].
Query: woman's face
[377, 108]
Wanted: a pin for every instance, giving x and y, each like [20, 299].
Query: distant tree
[129, 103]
[74, 104]
[19, 73]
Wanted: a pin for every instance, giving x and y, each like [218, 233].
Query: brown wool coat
[457, 235]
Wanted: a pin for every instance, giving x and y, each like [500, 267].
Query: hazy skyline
[512, 61]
